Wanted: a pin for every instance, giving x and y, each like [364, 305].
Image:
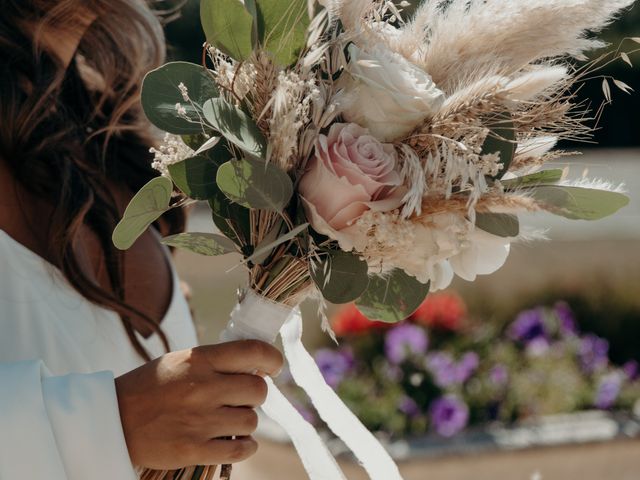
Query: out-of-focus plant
[441, 372]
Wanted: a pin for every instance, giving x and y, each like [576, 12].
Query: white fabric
[257, 318]
[316, 458]
[61, 422]
[345, 425]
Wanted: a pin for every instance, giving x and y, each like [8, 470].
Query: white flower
[388, 94]
[171, 150]
[482, 254]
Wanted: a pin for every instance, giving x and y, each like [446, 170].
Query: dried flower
[172, 150]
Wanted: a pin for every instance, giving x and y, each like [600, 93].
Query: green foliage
[341, 276]
[160, 94]
[201, 243]
[231, 219]
[255, 184]
[393, 298]
[577, 203]
[282, 28]
[228, 26]
[500, 224]
[236, 126]
[196, 177]
[263, 250]
[145, 208]
[538, 178]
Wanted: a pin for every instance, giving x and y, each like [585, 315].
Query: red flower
[444, 311]
[349, 321]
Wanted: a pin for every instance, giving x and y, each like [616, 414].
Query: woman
[73, 147]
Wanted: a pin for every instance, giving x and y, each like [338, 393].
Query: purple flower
[404, 341]
[499, 375]
[408, 406]
[631, 370]
[334, 365]
[528, 326]
[449, 415]
[467, 366]
[567, 320]
[608, 391]
[593, 353]
[443, 368]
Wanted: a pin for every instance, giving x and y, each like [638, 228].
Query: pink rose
[351, 172]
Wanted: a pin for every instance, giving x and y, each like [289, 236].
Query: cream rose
[387, 94]
[350, 173]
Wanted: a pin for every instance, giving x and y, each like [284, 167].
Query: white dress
[59, 355]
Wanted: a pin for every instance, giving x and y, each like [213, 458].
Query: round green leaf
[500, 224]
[201, 243]
[145, 208]
[236, 126]
[502, 140]
[196, 177]
[577, 203]
[341, 277]
[228, 26]
[393, 298]
[255, 184]
[160, 94]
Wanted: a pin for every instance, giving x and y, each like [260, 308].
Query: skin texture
[175, 409]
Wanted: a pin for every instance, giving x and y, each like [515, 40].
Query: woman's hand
[175, 409]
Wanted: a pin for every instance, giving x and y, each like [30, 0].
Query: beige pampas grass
[466, 36]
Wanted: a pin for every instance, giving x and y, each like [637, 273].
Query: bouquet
[353, 150]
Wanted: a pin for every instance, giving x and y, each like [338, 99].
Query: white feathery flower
[172, 150]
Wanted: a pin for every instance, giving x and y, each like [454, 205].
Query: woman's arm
[166, 414]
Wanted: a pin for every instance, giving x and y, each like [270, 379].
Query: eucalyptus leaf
[160, 94]
[255, 184]
[195, 140]
[145, 208]
[282, 28]
[196, 177]
[393, 298]
[502, 140]
[208, 244]
[236, 126]
[228, 26]
[538, 178]
[341, 277]
[263, 250]
[231, 219]
[499, 224]
[578, 203]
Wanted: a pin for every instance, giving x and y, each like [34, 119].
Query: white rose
[387, 94]
[483, 254]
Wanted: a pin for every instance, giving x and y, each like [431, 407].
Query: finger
[221, 452]
[231, 422]
[239, 390]
[247, 356]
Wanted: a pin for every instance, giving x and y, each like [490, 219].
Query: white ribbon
[258, 318]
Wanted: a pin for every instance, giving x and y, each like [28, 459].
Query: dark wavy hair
[66, 132]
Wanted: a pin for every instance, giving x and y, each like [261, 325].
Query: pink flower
[351, 172]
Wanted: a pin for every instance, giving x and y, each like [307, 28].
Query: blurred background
[528, 373]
